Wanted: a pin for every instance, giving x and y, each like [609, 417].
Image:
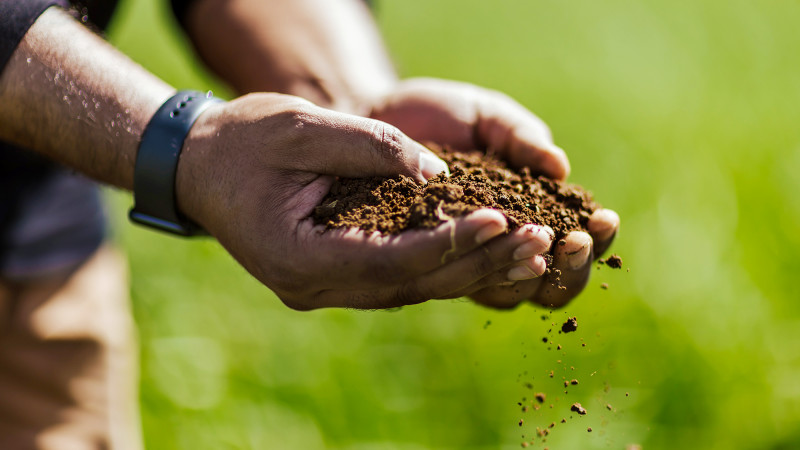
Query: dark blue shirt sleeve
[16, 16]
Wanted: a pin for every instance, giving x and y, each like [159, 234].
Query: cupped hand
[464, 116]
[253, 170]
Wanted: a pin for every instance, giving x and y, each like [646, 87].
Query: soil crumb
[578, 409]
[570, 325]
[540, 397]
[614, 261]
[478, 179]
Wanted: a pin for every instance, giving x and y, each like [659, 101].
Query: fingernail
[521, 272]
[549, 231]
[431, 166]
[527, 250]
[603, 224]
[580, 248]
[539, 239]
[490, 231]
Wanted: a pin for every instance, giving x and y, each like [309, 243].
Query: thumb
[353, 146]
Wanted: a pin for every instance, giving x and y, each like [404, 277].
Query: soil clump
[478, 180]
[613, 261]
[576, 407]
[570, 325]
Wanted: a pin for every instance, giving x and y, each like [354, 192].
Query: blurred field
[684, 116]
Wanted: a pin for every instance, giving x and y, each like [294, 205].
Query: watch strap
[157, 163]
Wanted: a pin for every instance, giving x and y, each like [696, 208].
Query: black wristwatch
[157, 163]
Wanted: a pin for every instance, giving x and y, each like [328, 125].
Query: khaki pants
[68, 367]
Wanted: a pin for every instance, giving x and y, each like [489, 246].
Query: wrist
[156, 201]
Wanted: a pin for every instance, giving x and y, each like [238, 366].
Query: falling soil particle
[589, 429]
[604, 286]
[540, 397]
[520, 422]
[573, 382]
[558, 347]
[564, 420]
[551, 374]
[614, 261]
[552, 424]
[524, 445]
[544, 339]
[570, 325]
[578, 409]
[609, 407]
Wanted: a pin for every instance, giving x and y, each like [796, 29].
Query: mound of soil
[393, 205]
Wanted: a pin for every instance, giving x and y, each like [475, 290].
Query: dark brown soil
[393, 205]
[578, 409]
[614, 261]
[570, 325]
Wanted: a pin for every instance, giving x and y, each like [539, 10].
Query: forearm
[69, 95]
[327, 51]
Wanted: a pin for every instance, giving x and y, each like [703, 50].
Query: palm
[466, 117]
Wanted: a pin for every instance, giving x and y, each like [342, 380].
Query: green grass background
[684, 116]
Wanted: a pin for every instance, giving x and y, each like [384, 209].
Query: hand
[252, 171]
[468, 117]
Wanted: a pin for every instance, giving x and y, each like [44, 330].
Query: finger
[333, 143]
[523, 139]
[570, 270]
[485, 263]
[507, 287]
[507, 295]
[603, 226]
[353, 258]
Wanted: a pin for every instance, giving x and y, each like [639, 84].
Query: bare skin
[250, 173]
[347, 69]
